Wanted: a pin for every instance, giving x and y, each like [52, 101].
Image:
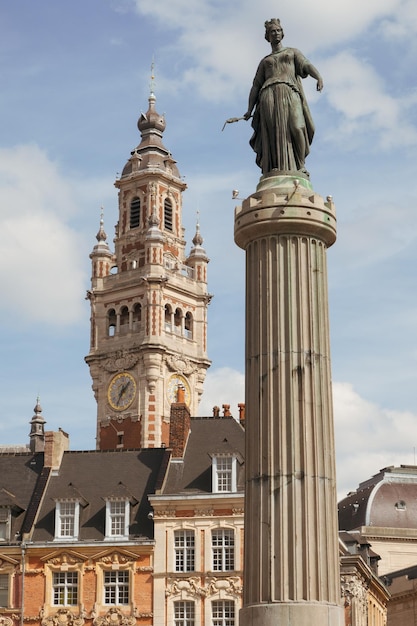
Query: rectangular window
[223, 613]
[5, 523]
[65, 588]
[4, 590]
[67, 519]
[184, 543]
[224, 473]
[116, 587]
[223, 549]
[184, 613]
[117, 518]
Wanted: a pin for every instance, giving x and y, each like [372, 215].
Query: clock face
[175, 381]
[121, 391]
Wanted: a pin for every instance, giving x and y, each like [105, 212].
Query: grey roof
[19, 476]
[209, 436]
[93, 476]
[388, 500]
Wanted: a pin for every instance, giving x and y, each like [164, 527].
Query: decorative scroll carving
[231, 585]
[181, 364]
[354, 588]
[192, 586]
[164, 513]
[114, 617]
[204, 512]
[5, 621]
[63, 617]
[119, 557]
[63, 559]
[120, 361]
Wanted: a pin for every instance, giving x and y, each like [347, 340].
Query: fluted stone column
[291, 574]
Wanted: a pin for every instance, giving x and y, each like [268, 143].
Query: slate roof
[93, 476]
[388, 499]
[19, 476]
[209, 436]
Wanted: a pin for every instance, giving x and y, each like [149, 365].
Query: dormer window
[67, 519]
[117, 519]
[224, 473]
[5, 523]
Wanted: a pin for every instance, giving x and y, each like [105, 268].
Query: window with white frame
[223, 549]
[117, 519]
[5, 518]
[116, 587]
[65, 588]
[224, 473]
[184, 613]
[4, 590]
[223, 613]
[67, 519]
[184, 547]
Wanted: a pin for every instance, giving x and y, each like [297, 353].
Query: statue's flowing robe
[281, 112]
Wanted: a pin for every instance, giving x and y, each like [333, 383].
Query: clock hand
[122, 391]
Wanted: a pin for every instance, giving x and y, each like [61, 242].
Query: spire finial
[152, 83]
[101, 235]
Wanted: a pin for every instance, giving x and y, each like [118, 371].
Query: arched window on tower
[137, 316]
[111, 323]
[178, 322]
[124, 320]
[188, 325]
[168, 214]
[168, 318]
[135, 212]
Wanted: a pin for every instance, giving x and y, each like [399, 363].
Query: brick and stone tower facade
[291, 573]
[148, 302]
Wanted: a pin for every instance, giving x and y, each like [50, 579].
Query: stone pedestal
[291, 574]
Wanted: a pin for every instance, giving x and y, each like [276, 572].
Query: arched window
[111, 323]
[188, 326]
[168, 318]
[135, 212]
[168, 214]
[137, 316]
[178, 321]
[124, 320]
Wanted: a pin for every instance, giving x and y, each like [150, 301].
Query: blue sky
[75, 77]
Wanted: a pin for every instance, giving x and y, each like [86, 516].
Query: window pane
[184, 550]
[223, 548]
[184, 613]
[223, 613]
[4, 590]
[116, 587]
[224, 473]
[65, 588]
[117, 518]
[67, 519]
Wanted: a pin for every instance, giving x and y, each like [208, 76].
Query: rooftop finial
[101, 235]
[152, 84]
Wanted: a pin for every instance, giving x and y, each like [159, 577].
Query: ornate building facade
[148, 301]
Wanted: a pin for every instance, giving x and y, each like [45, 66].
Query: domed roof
[151, 152]
[388, 500]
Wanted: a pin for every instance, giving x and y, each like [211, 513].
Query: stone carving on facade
[5, 621]
[354, 588]
[231, 586]
[181, 364]
[191, 586]
[114, 617]
[237, 510]
[120, 361]
[117, 557]
[206, 512]
[63, 617]
[64, 559]
[164, 513]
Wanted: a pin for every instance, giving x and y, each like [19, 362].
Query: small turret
[37, 430]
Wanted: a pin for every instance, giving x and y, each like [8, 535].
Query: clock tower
[148, 302]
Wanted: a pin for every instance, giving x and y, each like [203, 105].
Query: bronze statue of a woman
[282, 123]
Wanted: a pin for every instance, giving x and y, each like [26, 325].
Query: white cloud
[222, 386]
[358, 93]
[369, 437]
[42, 274]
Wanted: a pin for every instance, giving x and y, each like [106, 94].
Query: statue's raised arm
[282, 125]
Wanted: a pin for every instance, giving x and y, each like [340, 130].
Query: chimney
[179, 425]
[226, 410]
[242, 413]
[56, 443]
[216, 411]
